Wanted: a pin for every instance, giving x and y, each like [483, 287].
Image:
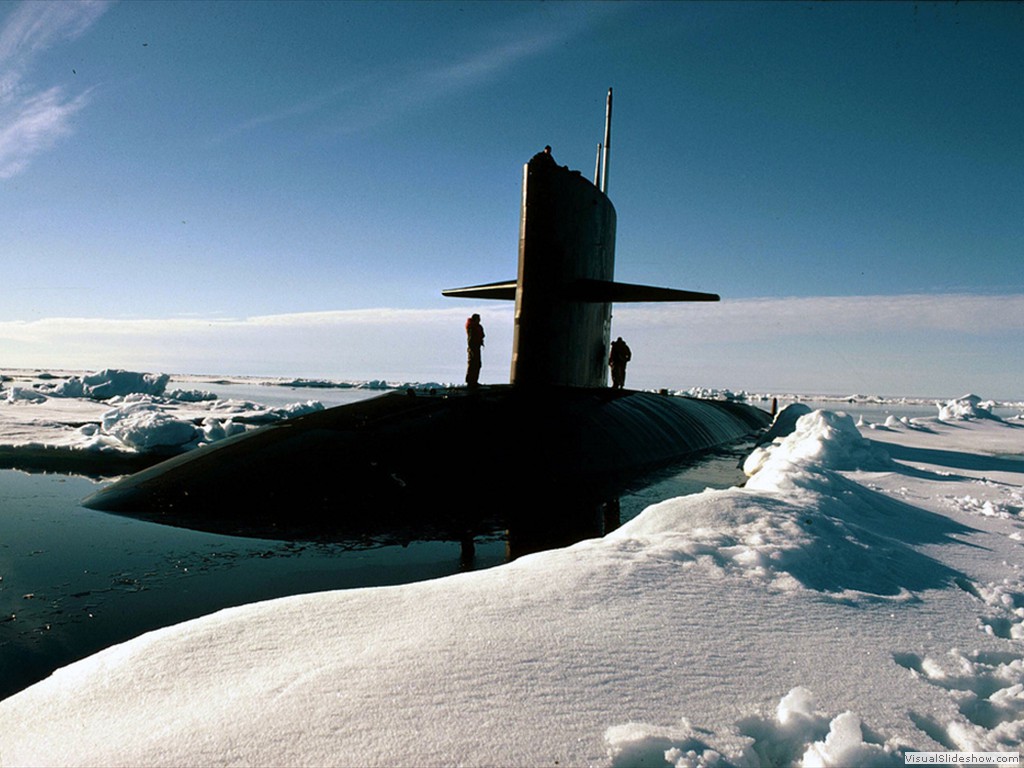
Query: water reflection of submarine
[456, 455]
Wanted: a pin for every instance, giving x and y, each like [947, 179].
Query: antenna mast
[603, 186]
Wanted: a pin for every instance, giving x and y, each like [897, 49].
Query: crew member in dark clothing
[474, 342]
[544, 157]
[617, 359]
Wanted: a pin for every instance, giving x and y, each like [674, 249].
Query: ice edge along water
[114, 411]
[855, 600]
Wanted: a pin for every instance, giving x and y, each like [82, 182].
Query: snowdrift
[844, 607]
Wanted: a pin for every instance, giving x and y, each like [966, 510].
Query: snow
[114, 411]
[374, 384]
[106, 384]
[966, 407]
[125, 412]
[861, 596]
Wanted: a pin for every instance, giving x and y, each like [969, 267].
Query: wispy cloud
[382, 96]
[298, 109]
[482, 66]
[33, 124]
[34, 118]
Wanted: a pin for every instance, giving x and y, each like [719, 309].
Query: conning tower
[384, 465]
[565, 285]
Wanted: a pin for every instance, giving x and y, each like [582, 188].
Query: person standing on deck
[617, 359]
[474, 343]
[545, 157]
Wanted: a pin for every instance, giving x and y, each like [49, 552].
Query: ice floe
[124, 412]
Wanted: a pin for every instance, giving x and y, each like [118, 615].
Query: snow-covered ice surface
[90, 417]
[110, 413]
[861, 596]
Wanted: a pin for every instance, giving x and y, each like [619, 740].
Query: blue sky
[221, 184]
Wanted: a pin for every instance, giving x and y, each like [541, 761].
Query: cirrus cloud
[32, 118]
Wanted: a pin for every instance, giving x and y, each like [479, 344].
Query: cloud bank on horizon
[911, 345]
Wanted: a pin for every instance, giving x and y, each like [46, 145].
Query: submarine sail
[454, 457]
[565, 285]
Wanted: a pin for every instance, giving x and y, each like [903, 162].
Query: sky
[285, 188]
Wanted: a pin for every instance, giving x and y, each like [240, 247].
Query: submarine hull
[450, 461]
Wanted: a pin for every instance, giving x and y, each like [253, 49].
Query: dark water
[74, 581]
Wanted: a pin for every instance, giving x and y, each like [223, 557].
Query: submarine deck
[412, 454]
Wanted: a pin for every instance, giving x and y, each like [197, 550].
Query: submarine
[446, 463]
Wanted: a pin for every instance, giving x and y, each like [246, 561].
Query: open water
[74, 581]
